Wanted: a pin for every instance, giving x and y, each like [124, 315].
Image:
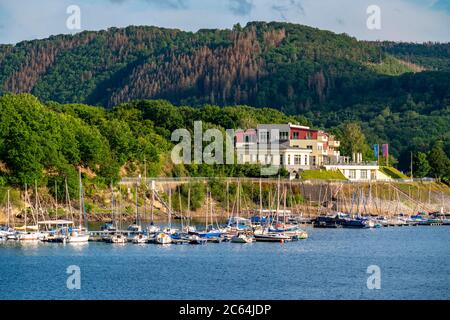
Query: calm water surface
[331, 264]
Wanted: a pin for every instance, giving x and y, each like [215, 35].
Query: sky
[400, 20]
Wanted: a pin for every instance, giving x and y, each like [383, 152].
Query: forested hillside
[399, 92]
[45, 143]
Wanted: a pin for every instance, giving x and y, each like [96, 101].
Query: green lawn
[322, 175]
[393, 173]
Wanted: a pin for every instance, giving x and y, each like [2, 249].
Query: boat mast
[284, 203]
[68, 200]
[56, 201]
[170, 207]
[137, 208]
[8, 210]
[37, 203]
[145, 189]
[207, 209]
[81, 196]
[278, 198]
[26, 210]
[113, 217]
[189, 206]
[260, 200]
[152, 203]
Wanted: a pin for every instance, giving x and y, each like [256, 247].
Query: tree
[353, 140]
[439, 162]
[421, 166]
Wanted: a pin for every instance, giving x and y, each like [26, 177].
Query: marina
[330, 264]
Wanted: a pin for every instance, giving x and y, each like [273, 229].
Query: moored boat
[140, 238]
[163, 238]
[243, 238]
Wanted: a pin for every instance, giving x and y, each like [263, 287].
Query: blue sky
[401, 20]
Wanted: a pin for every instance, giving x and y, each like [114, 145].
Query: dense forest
[398, 92]
[47, 142]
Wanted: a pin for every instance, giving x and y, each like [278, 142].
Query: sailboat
[140, 238]
[210, 231]
[80, 234]
[269, 233]
[111, 226]
[136, 226]
[117, 238]
[292, 231]
[26, 232]
[6, 231]
[164, 237]
[243, 238]
[152, 228]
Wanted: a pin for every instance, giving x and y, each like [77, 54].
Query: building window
[363, 174]
[309, 147]
[284, 135]
[306, 160]
[288, 160]
[297, 159]
[309, 136]
[295, 136]
[352, 174]
[281, 160]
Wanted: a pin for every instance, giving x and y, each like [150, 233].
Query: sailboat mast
[67, 200]
[207, 209]
[81, 196]
[37, 203]
[153, 202]
[189, 205]
[56, 201]
[113, 218]
[284, 204]
[278, 197]
[8, 210]
[26, 210]
[170, 207]
[137, 209]
[260, 199]
[145, 188]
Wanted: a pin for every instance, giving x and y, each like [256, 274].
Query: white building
[291, 158]
[359, 171]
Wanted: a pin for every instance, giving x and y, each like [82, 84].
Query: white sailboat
[243, 238]
[118, 238]
[79, 234]
[163, 238]
[7, 231]
[26, 232]
[140, 238]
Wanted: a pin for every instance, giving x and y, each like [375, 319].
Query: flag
[385, 148]
[376, 151]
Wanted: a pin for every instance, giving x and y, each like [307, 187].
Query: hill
[399, 92]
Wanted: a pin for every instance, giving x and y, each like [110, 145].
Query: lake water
[331, 264]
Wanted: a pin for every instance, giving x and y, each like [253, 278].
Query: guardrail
[134, 180]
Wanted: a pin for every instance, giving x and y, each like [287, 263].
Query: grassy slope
[322, 175]
[393, 173]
